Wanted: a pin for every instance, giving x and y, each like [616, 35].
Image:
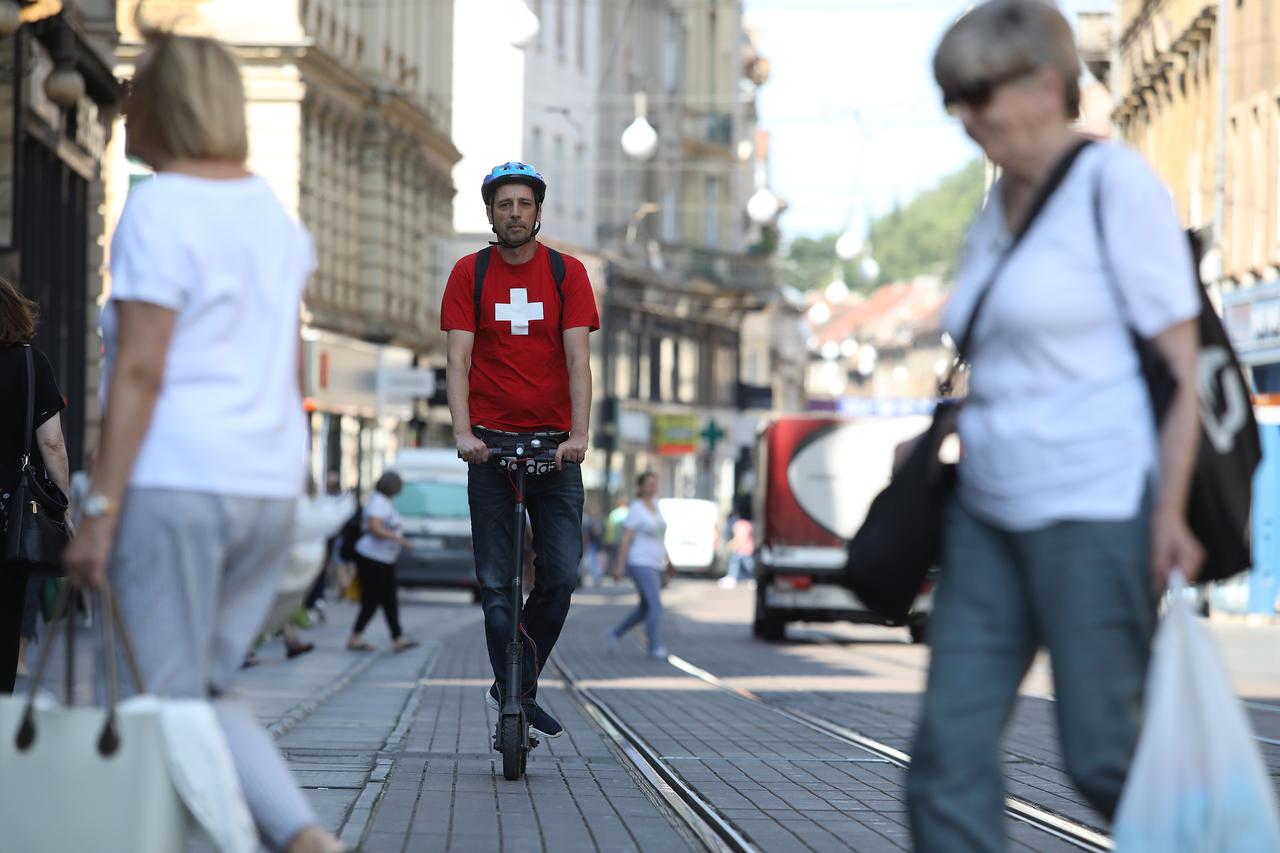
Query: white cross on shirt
[518, 312]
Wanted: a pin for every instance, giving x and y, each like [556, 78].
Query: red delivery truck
[816, 476]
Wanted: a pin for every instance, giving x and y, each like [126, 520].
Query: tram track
[720, 832]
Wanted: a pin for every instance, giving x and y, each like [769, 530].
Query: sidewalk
[394, 749]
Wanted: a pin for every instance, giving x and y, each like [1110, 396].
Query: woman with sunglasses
[1069, 513]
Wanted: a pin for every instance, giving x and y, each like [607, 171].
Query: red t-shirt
[519, 376]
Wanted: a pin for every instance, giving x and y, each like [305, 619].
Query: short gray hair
[389, 484]
[1000, 37]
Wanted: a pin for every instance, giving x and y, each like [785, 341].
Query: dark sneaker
[492, 698]
[542, 722]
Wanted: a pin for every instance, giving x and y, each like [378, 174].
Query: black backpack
[482, 266]
[350, 534]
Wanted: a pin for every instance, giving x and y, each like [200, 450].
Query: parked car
[693, 534]
[815, 479]
[436, 519]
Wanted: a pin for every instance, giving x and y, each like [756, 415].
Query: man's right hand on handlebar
[472, 449]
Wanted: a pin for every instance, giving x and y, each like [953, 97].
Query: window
[644, 379]
[724, 377]
[623, 362]
[711, 214]
[537, 10]
[558, 166]
[535, 147]
[688, 371]
[560, 27]
[580, 181]
[581, 32]
[667, 370]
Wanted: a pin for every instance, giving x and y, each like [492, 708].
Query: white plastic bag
[1198, 783]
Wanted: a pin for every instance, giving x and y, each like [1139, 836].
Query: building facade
[349, 117]
[1196, 87]
[686, 265]
[59, 101]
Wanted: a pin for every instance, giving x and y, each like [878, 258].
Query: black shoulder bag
[901, 538]
[36, 521]
[1220, 498]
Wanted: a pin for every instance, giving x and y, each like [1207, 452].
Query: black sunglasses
[976, 94]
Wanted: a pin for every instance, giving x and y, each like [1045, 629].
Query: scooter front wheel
[512, 751]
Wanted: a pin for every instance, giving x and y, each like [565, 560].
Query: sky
[855, 120]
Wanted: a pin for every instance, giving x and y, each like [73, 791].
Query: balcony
[739, 273]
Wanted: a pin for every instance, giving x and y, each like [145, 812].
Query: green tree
[922, 237]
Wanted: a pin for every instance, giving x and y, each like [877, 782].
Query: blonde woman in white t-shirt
[642, 553]
[204, 438]
[1071, 506]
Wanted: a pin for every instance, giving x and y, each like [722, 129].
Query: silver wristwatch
[96, 506]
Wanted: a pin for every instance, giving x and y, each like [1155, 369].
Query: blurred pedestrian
[612, 534]
[592, 530]
[203, 449]
[742, 549]
[1069, 514]
[643, 554]
[376, 553]
[19, 595]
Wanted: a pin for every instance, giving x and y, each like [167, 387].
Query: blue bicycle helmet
[513, 172]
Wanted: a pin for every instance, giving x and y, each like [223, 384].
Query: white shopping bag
[1198, 783]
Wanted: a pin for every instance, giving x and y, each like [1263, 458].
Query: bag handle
[31, 407]
[112, 621]
[1060, 170]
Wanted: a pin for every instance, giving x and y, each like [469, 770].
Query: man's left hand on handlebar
[573, 449]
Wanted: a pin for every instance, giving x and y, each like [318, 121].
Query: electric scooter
[521, 456]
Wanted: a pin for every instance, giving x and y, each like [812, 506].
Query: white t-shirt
[647, 548]
[373, 547]
[232, 263]
[1058, 424]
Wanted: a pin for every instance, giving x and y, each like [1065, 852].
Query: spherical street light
[837, 291]
[849, 246]
[763, 206]
[819, 314]
[869, 268]
[523, 25]
[640, 140]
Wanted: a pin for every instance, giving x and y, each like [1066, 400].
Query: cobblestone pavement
[394, 749]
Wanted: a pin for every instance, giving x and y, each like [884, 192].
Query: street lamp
[523, 25]
[763, 206]
[640, 140]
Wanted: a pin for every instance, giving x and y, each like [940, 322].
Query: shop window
[689, 352]
[667, 370]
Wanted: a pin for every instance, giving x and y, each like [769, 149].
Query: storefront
[361, 398]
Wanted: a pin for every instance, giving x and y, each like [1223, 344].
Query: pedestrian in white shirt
[377, 550]
[204, 437]
[643, 554]
[1070, 509]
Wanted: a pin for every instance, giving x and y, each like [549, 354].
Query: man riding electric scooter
[517, 316]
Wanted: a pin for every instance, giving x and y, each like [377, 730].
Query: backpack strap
[557, 272]
[482, 266]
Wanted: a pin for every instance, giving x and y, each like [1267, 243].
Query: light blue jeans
[1082, 590]
[648, 581]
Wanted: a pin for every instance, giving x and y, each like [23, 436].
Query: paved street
[394, 748]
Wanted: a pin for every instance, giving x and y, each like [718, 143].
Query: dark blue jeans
[554, 504]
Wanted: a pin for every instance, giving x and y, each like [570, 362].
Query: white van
[437, 520]
[693, 534]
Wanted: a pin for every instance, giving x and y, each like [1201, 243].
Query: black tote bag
[1220, 499]
[901, 537]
